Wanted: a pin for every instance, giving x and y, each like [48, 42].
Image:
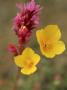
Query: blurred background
[52, 73]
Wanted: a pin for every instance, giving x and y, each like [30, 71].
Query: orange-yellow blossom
[49, 41]
[27, 61]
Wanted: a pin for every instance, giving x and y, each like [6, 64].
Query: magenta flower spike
[24, 22]
[26, 19]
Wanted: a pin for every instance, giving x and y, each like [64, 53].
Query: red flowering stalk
[25, 21]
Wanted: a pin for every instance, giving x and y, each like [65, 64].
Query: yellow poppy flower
[27, 61]
[49, 41]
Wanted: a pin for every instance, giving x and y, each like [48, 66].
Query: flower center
[28, 63]
[47, 45]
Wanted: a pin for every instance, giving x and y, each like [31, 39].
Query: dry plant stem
[20, 49]
[17, 78]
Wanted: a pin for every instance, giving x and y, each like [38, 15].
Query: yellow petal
[27, 58]
[48, 38]
[19, 61]
[40, 35]
[36, 59]
[52, 32]
[28, 52]
[59, 47]
[28, 71]
[47, 53]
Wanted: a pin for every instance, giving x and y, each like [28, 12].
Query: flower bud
[12, 49]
